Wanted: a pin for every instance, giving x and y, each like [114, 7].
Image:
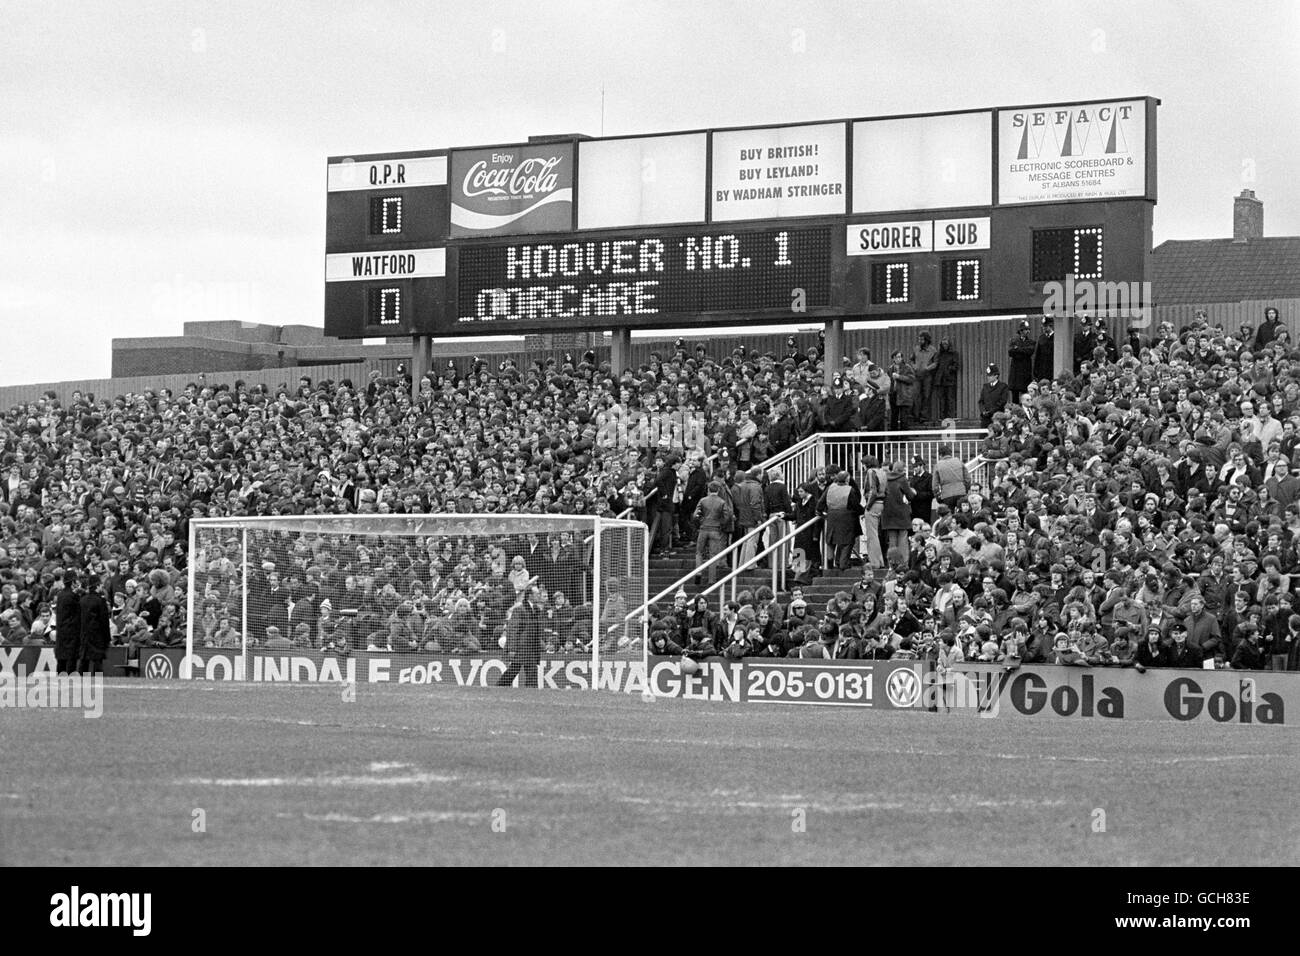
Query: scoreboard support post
[833, 363]
[421, 362]
[620, 351]
[1063, 345]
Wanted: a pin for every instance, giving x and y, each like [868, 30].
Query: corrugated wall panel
[112, 387]
[1233, 315]
[978, 342]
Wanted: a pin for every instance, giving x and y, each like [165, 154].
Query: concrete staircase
[670, 566]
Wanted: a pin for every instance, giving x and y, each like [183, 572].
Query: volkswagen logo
[903, 688]
[159, 667]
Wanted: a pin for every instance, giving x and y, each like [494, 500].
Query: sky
[165, 162]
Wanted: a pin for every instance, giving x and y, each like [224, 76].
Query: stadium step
[670, 566]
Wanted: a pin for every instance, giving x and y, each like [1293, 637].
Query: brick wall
[1247, 216]
[175, 360]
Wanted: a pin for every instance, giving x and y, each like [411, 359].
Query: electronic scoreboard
[971, 213]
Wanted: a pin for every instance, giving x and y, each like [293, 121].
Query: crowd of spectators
[107, 486]
[1141, 508]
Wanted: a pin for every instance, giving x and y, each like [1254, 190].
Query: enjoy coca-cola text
[534, 175]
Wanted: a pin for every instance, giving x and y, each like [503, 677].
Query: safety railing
[732, 550]
[845, 451]
[839, 451]
[799, 462]
[980, 470]
[630, 510]
[772, 552]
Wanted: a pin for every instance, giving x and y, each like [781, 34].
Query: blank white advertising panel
[643, 181]
[923, 162]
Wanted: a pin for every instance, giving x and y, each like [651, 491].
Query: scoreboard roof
[760, 126]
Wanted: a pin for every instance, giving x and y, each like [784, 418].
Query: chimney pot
[1247, 217]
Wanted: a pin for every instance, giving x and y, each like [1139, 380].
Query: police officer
[840, 406]
[1021, 351]
[67, 620]
[1084, 342]
[1102, 339]
[1045, 351]
[994, 396]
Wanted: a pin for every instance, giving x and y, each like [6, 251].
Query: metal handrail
[680, 582]
[836, 450]
[736, 572]
[631, 508]
[923, 434]
[820, 438]
[781, 457]
[785, 458]
[974, 468]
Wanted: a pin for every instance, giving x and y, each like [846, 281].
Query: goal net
[417, 598]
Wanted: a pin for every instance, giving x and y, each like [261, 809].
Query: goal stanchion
[497, 589]
[596, 634]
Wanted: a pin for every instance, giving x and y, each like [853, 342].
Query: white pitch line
[422, 816]
[342, 780]
[955, 805]
[247, 719]
[1206, 759]
[729, 743]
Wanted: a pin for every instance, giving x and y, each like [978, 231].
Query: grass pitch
[293, 774]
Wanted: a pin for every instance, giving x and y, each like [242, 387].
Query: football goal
[550, 593]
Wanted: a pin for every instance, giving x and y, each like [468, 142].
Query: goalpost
[415, 588]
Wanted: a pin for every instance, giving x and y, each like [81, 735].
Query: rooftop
[1202, 271]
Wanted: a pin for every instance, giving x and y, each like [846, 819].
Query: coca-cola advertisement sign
[509, 190]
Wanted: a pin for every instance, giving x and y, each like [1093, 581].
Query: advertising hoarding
[33, 659]
[1066, 153]
[881, 684]
[1261, 698]
[778, 172]
[643, 181]
[1118, 693]
[923, 162]
[512, 190]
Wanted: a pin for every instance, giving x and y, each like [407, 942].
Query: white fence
[846, 450]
